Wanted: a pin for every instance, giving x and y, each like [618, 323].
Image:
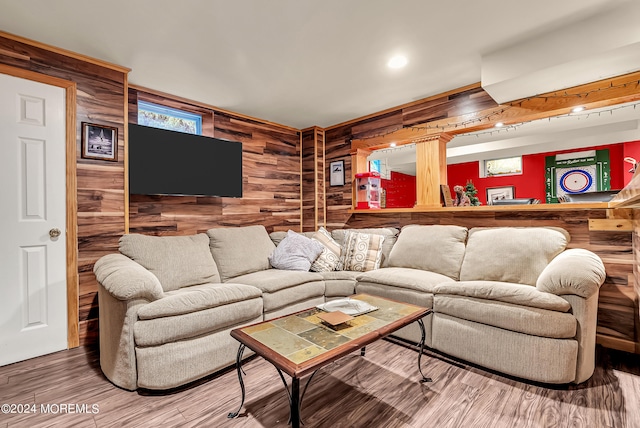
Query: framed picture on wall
[336, 174]
[99, 142]
[499, 193]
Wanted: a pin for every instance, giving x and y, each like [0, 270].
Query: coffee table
[301, 343]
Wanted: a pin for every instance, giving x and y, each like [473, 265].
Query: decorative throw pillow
[361, 252]
[295, 252]
[330, 257]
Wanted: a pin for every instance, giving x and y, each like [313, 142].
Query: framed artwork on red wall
[500, 193]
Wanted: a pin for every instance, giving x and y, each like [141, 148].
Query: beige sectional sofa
[513, 300]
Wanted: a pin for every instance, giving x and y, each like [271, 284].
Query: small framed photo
[336, 174]
[499, 193]
[99, 142]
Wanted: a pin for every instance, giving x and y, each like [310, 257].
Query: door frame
[73, 339]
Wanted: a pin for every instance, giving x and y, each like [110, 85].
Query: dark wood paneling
[308, 180]
[271, 182]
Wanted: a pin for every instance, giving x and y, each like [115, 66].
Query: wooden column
[431, 169]
[359, 163]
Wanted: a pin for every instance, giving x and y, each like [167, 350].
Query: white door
[33, 289]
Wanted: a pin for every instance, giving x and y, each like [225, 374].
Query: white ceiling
[295, 62]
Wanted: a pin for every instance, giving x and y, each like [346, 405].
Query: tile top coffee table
[301, 343]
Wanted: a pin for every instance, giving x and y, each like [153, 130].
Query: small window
[158, 116]
[505, 166]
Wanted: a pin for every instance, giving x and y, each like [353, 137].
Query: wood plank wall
[100, 194]
[309, 196]
[314, 171]
[271, 180]
[618, 315]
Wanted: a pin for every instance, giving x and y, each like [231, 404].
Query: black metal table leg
[422, 339]
[295, 402]
[239, 368]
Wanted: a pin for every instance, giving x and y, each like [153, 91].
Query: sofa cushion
[329, 259]
[177, 261]
[174, 329]
[511, 254]
[282, 288]
[295, 252]
[527, 320]
[413, 279]
[272, 280]
[197, 298]
[437, 249]
[240, 250]
[390, 234]
[361, 252]
[516, 294]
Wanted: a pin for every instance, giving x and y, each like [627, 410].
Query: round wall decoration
[576, 181]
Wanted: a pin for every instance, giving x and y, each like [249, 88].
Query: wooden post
[431, 169]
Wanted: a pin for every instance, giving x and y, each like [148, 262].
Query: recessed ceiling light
[397, 61]
[392, 145]
[577, 109]
[499, 125]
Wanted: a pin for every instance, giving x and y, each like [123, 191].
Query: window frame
[171, 111]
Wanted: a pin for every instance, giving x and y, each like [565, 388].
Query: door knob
[54, 233]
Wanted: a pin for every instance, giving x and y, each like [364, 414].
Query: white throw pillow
[295, 252]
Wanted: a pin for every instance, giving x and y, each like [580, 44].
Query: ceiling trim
[65, 52]
[209, 107]
[407, 105]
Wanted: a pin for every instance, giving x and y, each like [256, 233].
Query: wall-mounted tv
[163, 162]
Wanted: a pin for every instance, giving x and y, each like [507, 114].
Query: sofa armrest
[575, 271]
[125, 279]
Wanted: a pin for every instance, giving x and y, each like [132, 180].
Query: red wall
[400, 190]
[531, 183]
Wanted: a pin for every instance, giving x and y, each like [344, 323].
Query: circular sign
[576, 181]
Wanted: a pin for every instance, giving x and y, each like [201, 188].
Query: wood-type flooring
[381, 389]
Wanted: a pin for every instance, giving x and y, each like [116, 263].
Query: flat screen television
[163, 162]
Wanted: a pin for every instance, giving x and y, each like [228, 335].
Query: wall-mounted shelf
[533, 207]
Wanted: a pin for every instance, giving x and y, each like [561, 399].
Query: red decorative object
[368, 190]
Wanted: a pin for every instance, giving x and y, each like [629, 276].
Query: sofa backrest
[390, 236]
[177, 261]
[240, 250]
[511, 254]
[436, 248]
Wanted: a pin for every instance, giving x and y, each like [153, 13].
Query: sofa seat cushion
[240, 250]
[272, 280]
[170, 329]
[339, 283]
[511, 254]
[177, 261]
[508, 316]
[282, 288]
[516, 294]
[340, 275]
[412, 279]
[436, 248]
[197, 298]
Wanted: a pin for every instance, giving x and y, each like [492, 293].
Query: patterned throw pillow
[361, 252]
[330, 257]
